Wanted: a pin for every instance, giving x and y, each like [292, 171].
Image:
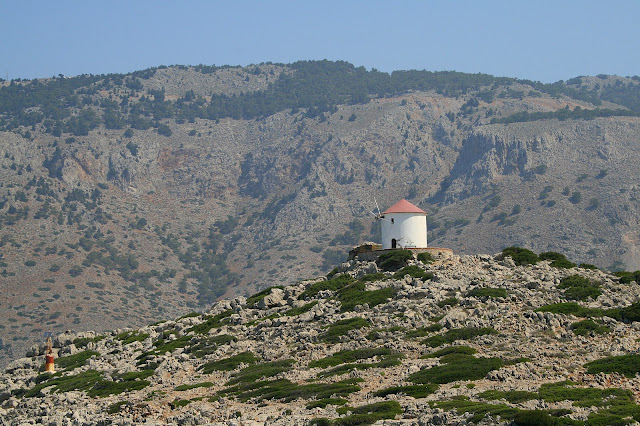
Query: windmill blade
[374, 199]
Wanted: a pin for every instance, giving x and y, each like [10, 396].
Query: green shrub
[131, 336]
[368, 414]
[342, 327]
[425, 258]
[462, 367]
[377, 276]
[416, 391]
[257, 371]
[579, 288]
[450, 301]
[209, 345]
[76, 360]
[300, 310]
[391, 360]
[116, 406]
[252, 300]
[490, 292]
[194, 386]
[583, 328]
[30, 263]
[534, 418]
[334, 284]
[82, 342]
[628, 365]
[345, 356]
[211, 322]
[583, 397]
[284, 390]
[454, 334]
[514, 397]
[414, 271]
[628, 314]
[394, 259]
[615, 415]
[177, 403]
[75, 271]
[229, 364]
[558, 260]
[464, 350]
[355, 294]
[423, 331]
[627, 277]
[521, 256]
[92, 382]
[587, 266]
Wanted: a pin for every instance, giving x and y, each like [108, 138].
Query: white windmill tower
[403, 225]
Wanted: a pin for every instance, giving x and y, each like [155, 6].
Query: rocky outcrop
[172, 372]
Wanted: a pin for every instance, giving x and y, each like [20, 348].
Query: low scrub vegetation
[131, 336]
[368, 414]
[416, 391]
[425, 258]
[340, 328]
[211, 322]
[229, 364]
[414, 271]
[514, 397]
[343, 357]
[627, 365]
[558, 260]
[627, 277]
[300, 310]
[252, 300]
[258, 371]
[285, 390]
[92, 382]
[76, 360]
[355, 294]
[579, 288]
[376, 276]
[521, 256]
[194, 386]
[394, 259]
[423, 331]
[456, 367]
[586, 327]
[337, 282]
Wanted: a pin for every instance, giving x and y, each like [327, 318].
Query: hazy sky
[537, 40]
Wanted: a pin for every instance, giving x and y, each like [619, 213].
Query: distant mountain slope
[126, 197]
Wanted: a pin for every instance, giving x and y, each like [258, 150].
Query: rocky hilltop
[126, 198]
[405, 339]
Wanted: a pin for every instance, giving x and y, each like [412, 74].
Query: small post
[49, 366]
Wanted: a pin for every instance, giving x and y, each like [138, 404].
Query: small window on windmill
[392, 221]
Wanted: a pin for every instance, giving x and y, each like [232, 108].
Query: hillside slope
[125, 198]
[461, 339]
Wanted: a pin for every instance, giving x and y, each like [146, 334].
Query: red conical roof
[403, 206]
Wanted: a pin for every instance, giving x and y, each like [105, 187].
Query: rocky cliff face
[457, 340]
[120, 226]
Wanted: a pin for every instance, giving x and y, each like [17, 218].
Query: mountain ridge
[121, 203]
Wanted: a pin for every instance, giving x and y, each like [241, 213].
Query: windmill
[378, 216]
